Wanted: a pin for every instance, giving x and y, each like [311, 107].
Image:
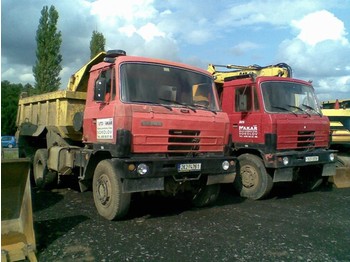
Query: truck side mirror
[242, 103]
[100, 90]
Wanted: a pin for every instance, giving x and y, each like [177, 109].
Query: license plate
[311, 159]
[189, 167]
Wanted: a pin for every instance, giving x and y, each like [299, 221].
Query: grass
[7, 153]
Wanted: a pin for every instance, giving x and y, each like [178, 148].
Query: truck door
[246, 117]
[99, 110]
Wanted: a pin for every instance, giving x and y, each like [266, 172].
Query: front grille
[306, 139]
[183, 140]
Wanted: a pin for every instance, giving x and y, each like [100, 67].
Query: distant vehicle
[8, 141]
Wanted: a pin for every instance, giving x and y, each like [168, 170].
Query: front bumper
[299, 159]
[160, 168]
[285, 170]
[163, 167]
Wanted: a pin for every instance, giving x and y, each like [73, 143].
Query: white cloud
[318, 52]
[132, 25]
[320, 26]
[127, 30]
[18, 72]
[128, 11]
[150, 31]
[272, 12]
[333, 87]
[197, 33]
[9, 73]
[244, 47]
[199, 36]
[26, 78]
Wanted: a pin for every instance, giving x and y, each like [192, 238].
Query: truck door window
[256, 101]
[113, 86]
[243, 99]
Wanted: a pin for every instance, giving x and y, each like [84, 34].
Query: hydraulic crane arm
[281, 70]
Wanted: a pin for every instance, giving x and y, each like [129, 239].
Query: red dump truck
[129, 124]
[279, 133]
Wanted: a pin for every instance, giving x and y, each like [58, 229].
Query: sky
[311, 36]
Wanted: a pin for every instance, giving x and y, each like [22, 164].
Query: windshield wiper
[178, 103]
[299, 108]
[205, 108]
[313, 109]
[285, 109]
[152, 103]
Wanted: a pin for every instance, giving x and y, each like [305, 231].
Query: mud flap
[329, 170]
[143, 184]
[283, 175]
[221, 179]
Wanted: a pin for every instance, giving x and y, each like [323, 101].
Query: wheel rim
[103, 190]
[250, 176]
[39, 170]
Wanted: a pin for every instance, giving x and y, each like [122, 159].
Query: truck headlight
[331, 156]
[285, 161]
[225, 165]
[142, 169]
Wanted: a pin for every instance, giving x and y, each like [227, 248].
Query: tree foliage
[97, 43]
[48, 64]
[9, 103]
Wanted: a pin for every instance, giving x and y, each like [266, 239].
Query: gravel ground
[288, 226]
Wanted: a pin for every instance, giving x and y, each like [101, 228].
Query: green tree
[9, 103]
[97, 43]
[48, 64]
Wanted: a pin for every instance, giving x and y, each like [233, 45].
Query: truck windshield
[165, 85]
[280, 97]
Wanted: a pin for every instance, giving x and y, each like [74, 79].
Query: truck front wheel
[252, 180]
[110, 201]
[44, 179]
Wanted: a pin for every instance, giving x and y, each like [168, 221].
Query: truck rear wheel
[44, 179]
[252, 180]
[206, 195]
[109, 200]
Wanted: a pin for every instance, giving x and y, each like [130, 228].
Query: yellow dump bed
[54, 111]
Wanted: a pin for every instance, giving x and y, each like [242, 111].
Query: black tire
[252, 180]
[111, 203]
[43, 178]
[206, 195]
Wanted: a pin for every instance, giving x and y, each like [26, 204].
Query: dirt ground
[288, 226]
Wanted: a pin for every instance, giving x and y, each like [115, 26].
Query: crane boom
[281, 70]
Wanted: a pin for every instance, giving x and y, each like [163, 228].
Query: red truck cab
[154, 101]
[276, 123]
